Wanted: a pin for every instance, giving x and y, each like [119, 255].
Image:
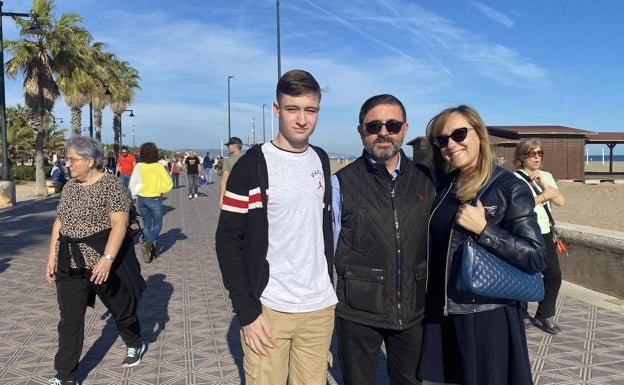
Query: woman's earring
[521, 163]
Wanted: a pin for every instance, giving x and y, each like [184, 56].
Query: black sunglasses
[393, 126]
[458, 135]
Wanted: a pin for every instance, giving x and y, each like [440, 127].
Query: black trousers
[552, 280]
[359, 347]
[73, 294]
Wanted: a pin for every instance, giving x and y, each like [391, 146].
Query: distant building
[564, 147]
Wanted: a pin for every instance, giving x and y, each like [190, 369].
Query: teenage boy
[274, 245]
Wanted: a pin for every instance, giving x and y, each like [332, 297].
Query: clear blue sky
[520, 62]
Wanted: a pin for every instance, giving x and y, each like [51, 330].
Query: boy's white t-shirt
[298, 280]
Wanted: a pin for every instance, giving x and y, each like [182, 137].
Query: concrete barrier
[595, 259]
[7, 193]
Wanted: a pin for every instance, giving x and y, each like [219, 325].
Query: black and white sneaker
[56, 381]
[133, 357]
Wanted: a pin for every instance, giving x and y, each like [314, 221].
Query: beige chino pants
[301, 353]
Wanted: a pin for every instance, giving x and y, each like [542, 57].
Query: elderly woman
[528, 158]
[91, 254]
[149, 181]
[468, 339]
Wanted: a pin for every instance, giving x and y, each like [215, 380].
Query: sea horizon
[606, 158]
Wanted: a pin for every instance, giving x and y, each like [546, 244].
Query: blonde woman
[474, 340]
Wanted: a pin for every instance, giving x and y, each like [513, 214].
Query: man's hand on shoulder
[258, 336]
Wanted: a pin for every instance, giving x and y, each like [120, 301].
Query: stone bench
[53, 187]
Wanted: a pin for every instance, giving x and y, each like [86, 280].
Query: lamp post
[279, 56]
[263, 125]
[56, 120]
[34, 29]
[120, 131]
[229, 120]
[252, 137]
[91, 119]
[133, 136]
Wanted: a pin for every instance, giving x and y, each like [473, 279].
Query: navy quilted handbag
[483, 274]
[486, 275]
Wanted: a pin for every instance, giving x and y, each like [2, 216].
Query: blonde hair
[468, 185]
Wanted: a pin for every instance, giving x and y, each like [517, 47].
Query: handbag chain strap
[545, 205]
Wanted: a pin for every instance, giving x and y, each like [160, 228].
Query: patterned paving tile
[187, 317]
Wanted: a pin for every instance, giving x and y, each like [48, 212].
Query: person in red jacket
[125, 166]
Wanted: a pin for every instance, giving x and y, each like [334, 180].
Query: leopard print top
[84, 211]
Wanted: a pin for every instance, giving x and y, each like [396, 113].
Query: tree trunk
[76, 121]
[117, 130]
[97, 122]
[40, 178]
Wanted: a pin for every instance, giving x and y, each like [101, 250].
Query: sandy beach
[595, 205]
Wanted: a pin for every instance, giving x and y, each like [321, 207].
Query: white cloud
[489, 12]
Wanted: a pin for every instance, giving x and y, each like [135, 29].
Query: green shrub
[27, 173]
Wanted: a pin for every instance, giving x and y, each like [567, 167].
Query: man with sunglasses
[381, 203]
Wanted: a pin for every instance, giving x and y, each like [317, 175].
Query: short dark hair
[297, 83]
[124, 148]
[149, 152]
[376, 100]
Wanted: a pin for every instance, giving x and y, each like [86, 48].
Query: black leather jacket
[512, 233]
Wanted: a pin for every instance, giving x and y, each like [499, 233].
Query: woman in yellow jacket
[148, 182]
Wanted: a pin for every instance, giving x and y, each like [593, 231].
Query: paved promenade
[187, 317]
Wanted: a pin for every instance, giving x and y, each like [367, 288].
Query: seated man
[58, 178]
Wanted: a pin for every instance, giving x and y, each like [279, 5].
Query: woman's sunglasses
[392, 126]
[458, 135]
[532, 154]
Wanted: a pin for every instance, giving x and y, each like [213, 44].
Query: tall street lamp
[252, 137]
[120, 131]
[279, 55]
[263, 125]
[229, 119]
[34, 29]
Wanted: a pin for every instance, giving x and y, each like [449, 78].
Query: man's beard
[380, 154]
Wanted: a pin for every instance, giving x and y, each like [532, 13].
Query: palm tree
[58, 50]
[19, 134]
[123, 81]
[100, 94]
[85, 84]
[53, 138]
[75, 90]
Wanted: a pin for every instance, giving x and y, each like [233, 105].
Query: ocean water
[598, 158]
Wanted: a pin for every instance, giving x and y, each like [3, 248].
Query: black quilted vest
[381, 253]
